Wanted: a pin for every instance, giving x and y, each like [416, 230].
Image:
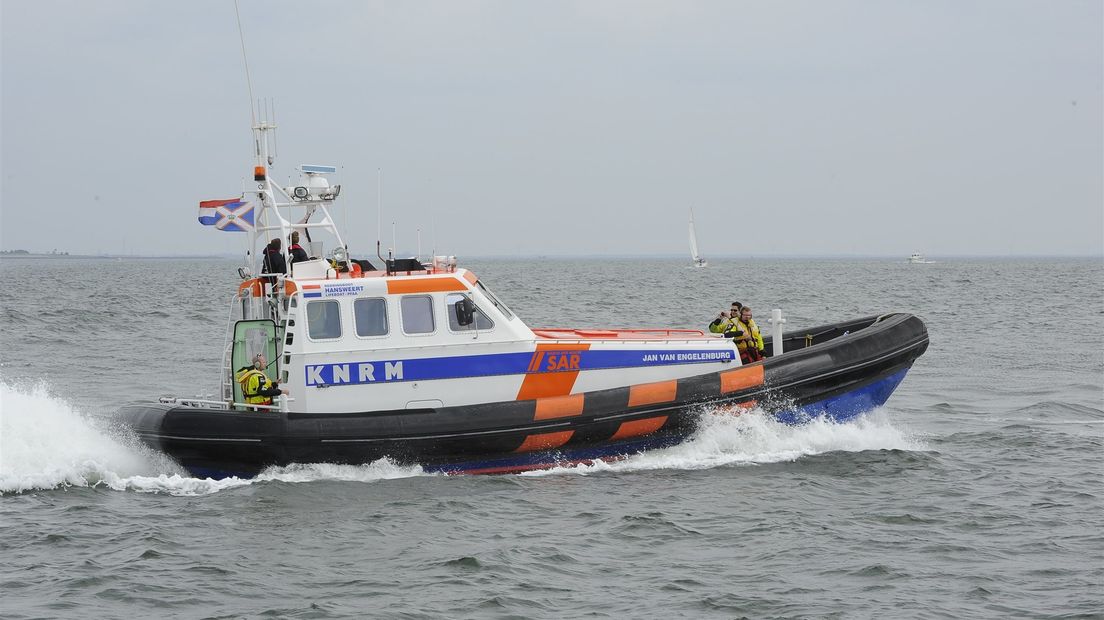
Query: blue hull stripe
[846, 406]
[386, 371]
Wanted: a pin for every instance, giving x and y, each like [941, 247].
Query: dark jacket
[273, 261]
[297, 253]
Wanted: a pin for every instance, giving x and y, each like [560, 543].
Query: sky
[570, 128]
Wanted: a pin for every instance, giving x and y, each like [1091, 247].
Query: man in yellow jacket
[750, 343]
[726, 320]
[257, 388]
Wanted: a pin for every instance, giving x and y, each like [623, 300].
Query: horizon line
[8, 254]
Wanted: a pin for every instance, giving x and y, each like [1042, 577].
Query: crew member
[295, 250]
[273, 260]
[256, 387]
[724, 323]
[750, 342]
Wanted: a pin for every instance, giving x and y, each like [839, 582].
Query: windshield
[494, 300]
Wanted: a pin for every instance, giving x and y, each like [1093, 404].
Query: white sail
[694, 253]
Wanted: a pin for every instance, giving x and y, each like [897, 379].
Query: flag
[234, 215]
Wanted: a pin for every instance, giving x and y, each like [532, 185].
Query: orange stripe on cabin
[639, 427]
[543, 379]
[425, 285]
[652, 393]
[741, 378]
[559, 407]
[544, 441]
[470, 277]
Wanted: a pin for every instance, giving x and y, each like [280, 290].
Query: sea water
[976, 491]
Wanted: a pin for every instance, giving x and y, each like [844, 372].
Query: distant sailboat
[694, 254]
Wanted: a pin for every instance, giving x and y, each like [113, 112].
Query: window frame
[450, 315]
[310, 323]
[386, 319]
[432, 315]
[506, 312]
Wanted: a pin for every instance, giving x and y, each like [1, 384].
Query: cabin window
[481, 319]
[417, 314]
[371, 317]
[324, 320]
[494, 300]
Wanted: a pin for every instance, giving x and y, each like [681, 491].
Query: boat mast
[312, 196]
[693, 239]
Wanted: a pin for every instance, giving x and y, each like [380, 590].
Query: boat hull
[835, 372]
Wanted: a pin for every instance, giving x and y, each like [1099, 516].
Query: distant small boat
[918, 259]
[695, 255]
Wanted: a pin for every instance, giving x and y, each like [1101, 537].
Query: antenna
[433, 222]
[346, 215]
[419, 242]
[394, 241]
[379, 205]
[379, 220]
[245, 60]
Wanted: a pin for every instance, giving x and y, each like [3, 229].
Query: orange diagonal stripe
[544, 441]
[639, 427]
[542, 384]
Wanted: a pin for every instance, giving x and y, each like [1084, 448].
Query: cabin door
[250, 338]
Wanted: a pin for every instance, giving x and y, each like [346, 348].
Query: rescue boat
[420, 362]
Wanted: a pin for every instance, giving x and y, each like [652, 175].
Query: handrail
[168, 400]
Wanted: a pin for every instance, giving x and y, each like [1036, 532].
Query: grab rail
[213, 404]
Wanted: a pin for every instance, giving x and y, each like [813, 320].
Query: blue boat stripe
[495, 364]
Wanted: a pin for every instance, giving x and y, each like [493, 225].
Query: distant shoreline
[114, 256]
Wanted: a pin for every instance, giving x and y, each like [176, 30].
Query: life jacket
[252, 382]
[751, 335]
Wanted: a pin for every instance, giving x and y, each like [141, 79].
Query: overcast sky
[567, 128]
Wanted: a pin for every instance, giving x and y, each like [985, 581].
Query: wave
[176, 484]
[754, 438]
[46, 443]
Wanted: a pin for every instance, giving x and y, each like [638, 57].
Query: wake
[45, 444]
[754, 438]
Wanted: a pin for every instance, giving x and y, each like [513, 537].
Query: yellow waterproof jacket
[252, 382]
[721, 327]
[751, 334]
